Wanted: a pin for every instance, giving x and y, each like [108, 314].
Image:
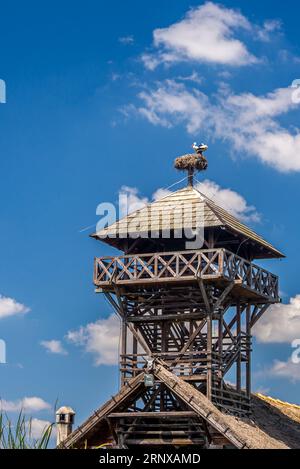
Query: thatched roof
[274, 425]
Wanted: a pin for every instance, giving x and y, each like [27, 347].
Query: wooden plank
[204, 295]
[153, 415]
[248, 363]
[165, 317]
[164, 441]
[209, 356]
[238, 361]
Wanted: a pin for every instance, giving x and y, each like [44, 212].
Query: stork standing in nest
[193, 162]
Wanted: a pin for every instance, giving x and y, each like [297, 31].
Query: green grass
[18, 435]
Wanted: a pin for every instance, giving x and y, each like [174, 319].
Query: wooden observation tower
[188, 294]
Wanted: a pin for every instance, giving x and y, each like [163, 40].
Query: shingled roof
[166, 213]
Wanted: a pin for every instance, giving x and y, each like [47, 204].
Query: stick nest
[196, 162]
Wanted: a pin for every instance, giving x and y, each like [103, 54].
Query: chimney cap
[65, 410]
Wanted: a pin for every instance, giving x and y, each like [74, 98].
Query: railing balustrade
[185, 266]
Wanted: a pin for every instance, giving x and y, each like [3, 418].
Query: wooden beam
[248, 353]
[209, 357]
[238, 362]
[223, 296]
[123, 347]
[165, 317]
[165, 441]
[256, 317]
[132, 329]
[153, 415]
[204, 295]
[189, 342]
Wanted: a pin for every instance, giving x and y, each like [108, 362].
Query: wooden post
[123, 349]
[211, 239]
[191, 177]
[238, 335]
[209, 356]
[134, 352]
[220, 347]
[248, 363]
[164, 348]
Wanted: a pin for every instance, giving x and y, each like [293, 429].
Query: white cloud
[229, 200]
[280, 323]
[126, 40]
[286, 370]
[161, 194]
[151, 61]
[268, 29]
[115, 77]
[37, 427]
[194, 77]
[100, 338]
[249, 123]
[10, 307]
[54, 346]
[206, 34]
[27, 404]
[130, 200]
[172, 103]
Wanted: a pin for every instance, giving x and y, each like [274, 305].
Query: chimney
[64, 423]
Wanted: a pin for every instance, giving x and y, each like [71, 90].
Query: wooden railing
[192, 365]
[186, 265]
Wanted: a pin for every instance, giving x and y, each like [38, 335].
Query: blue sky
[103, 95]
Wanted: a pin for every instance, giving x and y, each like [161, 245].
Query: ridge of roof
[277, 401]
